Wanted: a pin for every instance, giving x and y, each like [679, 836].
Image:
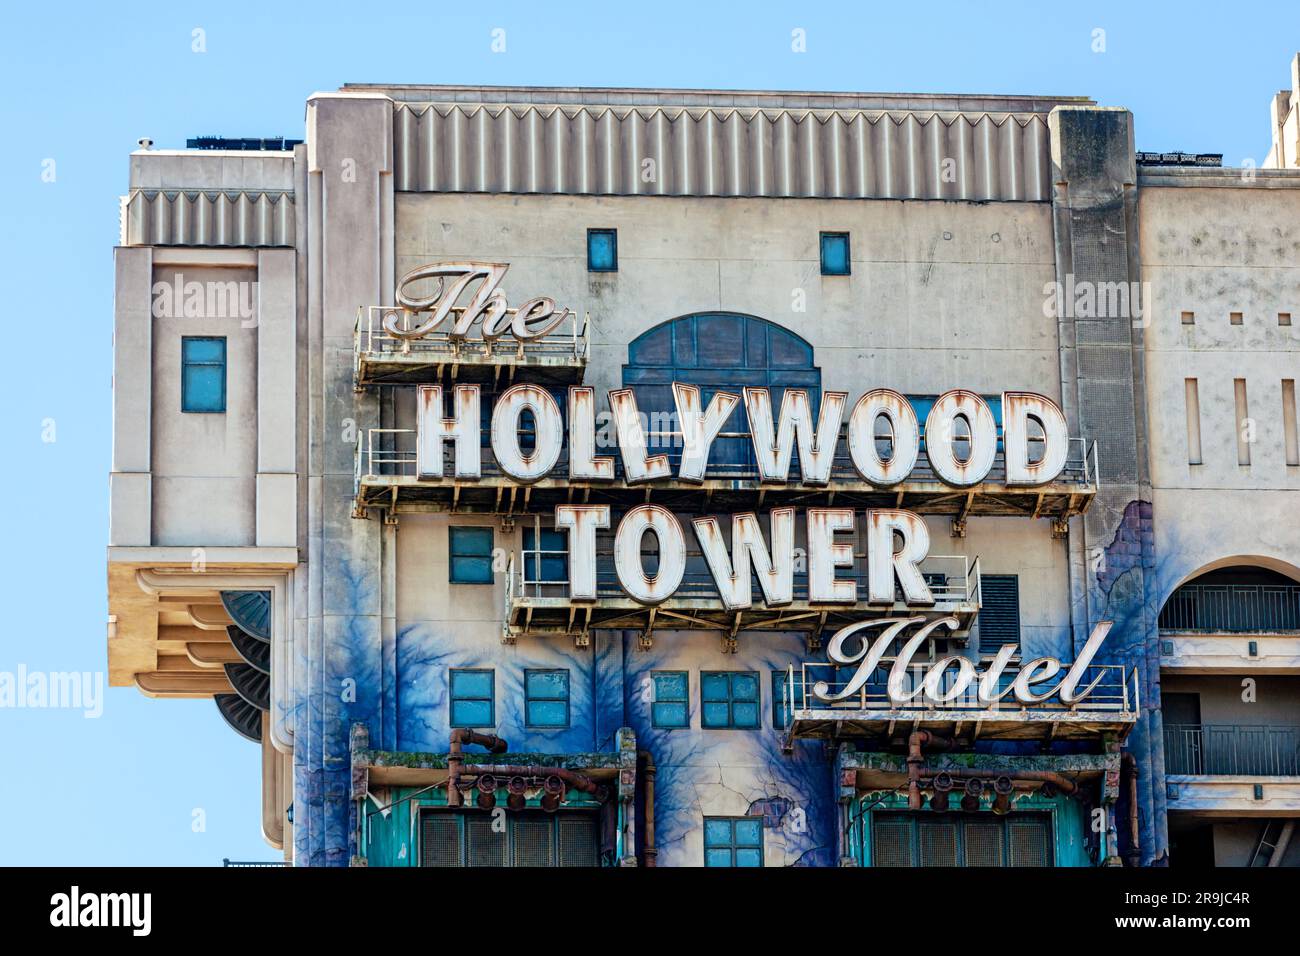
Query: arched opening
[717, 351]
[1232, 598]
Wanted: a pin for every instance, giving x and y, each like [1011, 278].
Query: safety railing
[1115, 694]
[391, 452]
[1232, 749]
[1232, 608]
[953, 580]
[372, 340]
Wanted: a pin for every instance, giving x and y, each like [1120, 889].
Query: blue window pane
[669, 715]
[471, 713]
[471, 684]
[670, 685]
[717, 832]
[602, 250]
[204, 389]
[548, 713]
[749, 857]
[749, 832]
[547, 685]
[714, 686]
[744, 715]
[471, 570]
[715, 714]
[835, 253]
[744, 686]
[203, 350]
[717, 857]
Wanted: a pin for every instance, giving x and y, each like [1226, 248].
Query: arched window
[718, 351]
[1235, 599]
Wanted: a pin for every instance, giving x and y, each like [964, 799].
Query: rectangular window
[1235, 318]
[1284, 318]
[1193, 403]
[835, 253]
[1289, 422]
[1245, 428]
[602, 250]
[1189, 318]
[549, 563]
[203, 374]
[546, 698]
[780, 713]
[471, 555]
[473, 697]
[671, 708]
[999, 617]
[733, 841]
[729, 700]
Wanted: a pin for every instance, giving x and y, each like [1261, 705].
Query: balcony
[1239, 750]
[385, 359]
[1232, 609]
[1111, 708]
[1231, 628]
[537, 601]
[1233, 770]
[386, 478]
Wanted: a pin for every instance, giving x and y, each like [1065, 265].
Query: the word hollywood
[773, 446]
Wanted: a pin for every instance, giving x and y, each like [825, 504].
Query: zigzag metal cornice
[712, 151]
[207, 217]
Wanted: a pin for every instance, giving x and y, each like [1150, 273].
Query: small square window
[729, 700]
[471, 555]
[203, 374]
[1235, 318]
[835, 253]
[473, 697]
[733, 841]
[1284, 318]
[671, 708]
[602, 250]
[1189, 318]
[546, 698]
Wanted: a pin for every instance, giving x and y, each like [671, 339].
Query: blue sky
[83, 82]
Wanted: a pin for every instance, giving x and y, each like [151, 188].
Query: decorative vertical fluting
[1112, 559]
[350, 255]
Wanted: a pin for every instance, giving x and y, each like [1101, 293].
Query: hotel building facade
[407, 477]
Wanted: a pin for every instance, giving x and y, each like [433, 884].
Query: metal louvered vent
[483, 847]
[999, 617]
[891, 841]
[984, 845]
[579, 839]
[255, 651]
[243, 718]
[250, 684]
[439, 840]
[251, 610]
[938, 843]
[533, 843]
[1028, 839]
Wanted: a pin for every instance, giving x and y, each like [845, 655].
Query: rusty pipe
[916, 742]
[1129, 764]
[572, 780]
[1063, 783]
[650, 855]
[455, 759]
